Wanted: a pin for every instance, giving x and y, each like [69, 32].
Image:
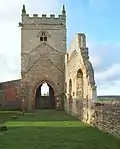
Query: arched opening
[70, 87]
[45, 98]
[43, 37]
[79, 84]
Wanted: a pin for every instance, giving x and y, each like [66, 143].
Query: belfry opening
[45, 98]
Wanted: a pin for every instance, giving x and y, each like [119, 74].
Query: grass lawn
[106, 99]
[47, 129]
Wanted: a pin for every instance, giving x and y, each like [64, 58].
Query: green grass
[106, 99]
[47, 129]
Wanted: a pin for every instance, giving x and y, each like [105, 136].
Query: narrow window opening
[41, 38]
[45, 38]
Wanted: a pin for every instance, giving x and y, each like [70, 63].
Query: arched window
[43, 37]
[70, 86]
[79, 84]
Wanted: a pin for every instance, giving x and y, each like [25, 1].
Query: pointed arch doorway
[45, 98]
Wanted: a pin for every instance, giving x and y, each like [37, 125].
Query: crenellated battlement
[44, 19]
[44, 16]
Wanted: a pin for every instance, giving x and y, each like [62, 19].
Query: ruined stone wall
[80, 78]
[10, 94]
[107, 117]
[77, 108]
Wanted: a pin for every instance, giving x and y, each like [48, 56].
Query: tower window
[43, 37]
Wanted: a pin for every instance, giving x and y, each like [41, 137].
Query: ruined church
[54, 77]
[45, 60]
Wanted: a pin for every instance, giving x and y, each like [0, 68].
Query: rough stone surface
[106, 116]
[81, 88]
[42, 60]
[10, 94]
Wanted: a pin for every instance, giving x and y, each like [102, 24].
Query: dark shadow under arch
[45, 102]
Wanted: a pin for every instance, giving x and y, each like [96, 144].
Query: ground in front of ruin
[50, 129]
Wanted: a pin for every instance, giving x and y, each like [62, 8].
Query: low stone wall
[104, 115]
[2, 97]
[10, 94]
[107, 117]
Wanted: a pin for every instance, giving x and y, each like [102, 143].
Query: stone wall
[78, 108]
[107, 117]
[10, 94]
[80, 83]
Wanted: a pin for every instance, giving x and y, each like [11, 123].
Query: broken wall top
[79, 50]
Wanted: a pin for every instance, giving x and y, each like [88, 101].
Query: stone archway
[45, 96]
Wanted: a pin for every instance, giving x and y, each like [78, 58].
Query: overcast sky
[98, 19]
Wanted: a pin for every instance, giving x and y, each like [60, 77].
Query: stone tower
[43, 49]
